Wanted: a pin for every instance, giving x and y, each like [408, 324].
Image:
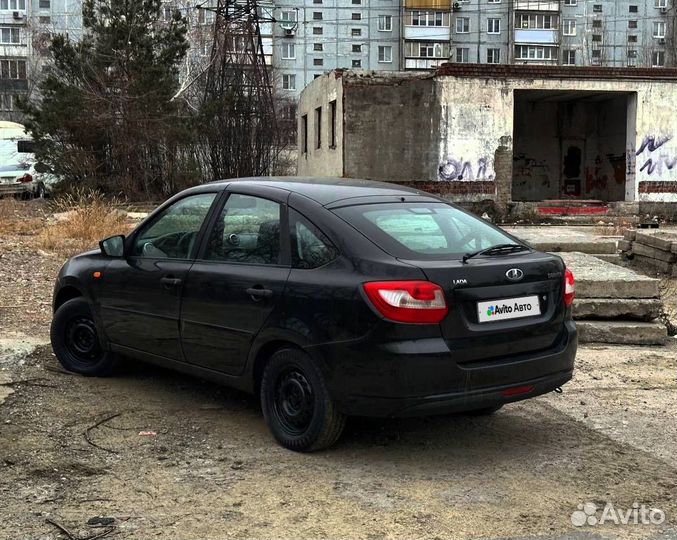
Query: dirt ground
[166, 456]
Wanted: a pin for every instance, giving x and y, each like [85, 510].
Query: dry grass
[13, 220]
[82, 219]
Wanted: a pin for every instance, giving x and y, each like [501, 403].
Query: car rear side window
[310, 248]
[422, 230]
[247, 231]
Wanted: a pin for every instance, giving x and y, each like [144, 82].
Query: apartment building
[312, 37]
[25, 30]
[614, 33]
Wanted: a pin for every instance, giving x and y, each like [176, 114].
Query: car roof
[327, 190]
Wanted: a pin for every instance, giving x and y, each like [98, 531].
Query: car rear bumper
[15, 189]
[418, 380]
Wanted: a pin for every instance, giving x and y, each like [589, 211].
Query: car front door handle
[170, 282]
[259, 293]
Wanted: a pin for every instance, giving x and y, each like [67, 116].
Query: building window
[332, 125]
[45, 4]
[318, 47]
[597, 24]
[6, 102]
[462, 25]
[10, 36]
[317, 30]
[13, 5]
[357, 48]
[287, 16]
[658, 29]
[356, 16]
[493, 56]
[534, 52]
[462, 55]
[317, 15]
[385, 53]
[597, 8]
[304, 133]
[424, 49]
[569, 27]
[357, 63]
[288, 51]
[318, 62]
[357, 2]
[658, 59]
[661, 4]
[317, 1]
[318, 128]
[385, 23]
[493, 26]
[634, 9]
[356, 32]
[45, 19]
[570, 2]
[13, 69]
[632, 39]
[632, 24]
[569, 57]
[427, 18]
[288, 81]
[597, 37]
[494, 1]
[532, 21]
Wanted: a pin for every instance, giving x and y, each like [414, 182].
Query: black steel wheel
[75, 340]
[296, 404]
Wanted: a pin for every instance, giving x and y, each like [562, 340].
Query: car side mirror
[113, 246]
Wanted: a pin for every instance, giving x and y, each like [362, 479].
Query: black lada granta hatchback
[327, 298]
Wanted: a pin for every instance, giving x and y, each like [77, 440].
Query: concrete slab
[653, 252]
[599, 279]
[622, 332]
[566, 238]
[658, 238]
[641, 309]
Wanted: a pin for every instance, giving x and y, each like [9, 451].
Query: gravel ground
[166, 456]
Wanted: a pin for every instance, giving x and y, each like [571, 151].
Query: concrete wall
[481, 123]
[326, 160]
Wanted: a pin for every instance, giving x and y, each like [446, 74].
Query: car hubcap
[81, 339]
[293, 401]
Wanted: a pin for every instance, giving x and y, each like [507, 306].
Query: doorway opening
[572, 145]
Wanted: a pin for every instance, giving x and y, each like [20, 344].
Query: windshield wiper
[499, 249]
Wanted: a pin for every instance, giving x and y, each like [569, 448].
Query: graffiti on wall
[461, 170]
[654, 158]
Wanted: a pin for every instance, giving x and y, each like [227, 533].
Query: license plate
[508, 308]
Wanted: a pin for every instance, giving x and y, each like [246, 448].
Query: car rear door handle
[259, 293]
[170, 282]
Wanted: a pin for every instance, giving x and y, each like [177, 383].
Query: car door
[237, 281]
[140, 294]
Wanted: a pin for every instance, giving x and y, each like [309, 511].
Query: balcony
[423, 63]
[437, 5]
[536, 5]
[428, 33]
[528, 35]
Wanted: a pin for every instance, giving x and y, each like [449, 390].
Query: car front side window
[173, 235]
[247, 231]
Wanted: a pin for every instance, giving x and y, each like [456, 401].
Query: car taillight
[569, 288]
[414, 302]
[25, 179]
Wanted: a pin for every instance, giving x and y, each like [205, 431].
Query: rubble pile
[652, 248]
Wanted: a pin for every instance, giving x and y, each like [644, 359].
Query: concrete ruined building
[602, 139]
[25, 30]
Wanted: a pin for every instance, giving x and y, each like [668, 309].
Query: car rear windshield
[427, 230]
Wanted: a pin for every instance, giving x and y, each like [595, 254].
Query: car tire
[296, 403]
[75, 341]
[485, 411]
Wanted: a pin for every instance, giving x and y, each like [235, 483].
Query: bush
[83, 218]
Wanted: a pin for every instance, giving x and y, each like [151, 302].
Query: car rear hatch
[500, 306]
